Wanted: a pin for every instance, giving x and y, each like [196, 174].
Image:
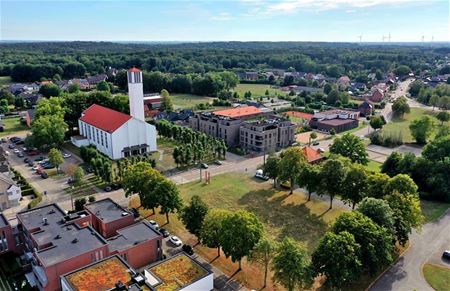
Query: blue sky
[243, 20]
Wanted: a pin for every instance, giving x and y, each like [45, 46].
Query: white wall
[204, 284]
[90, 132]
[133, 132]
[14, 194]
[136, 97]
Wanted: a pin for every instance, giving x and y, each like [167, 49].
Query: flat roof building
[179, 272]
[111, 273]
[337, 119]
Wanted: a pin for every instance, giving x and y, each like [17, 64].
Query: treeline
[195, 146]
[436, 97]
[430, 171]
[35, 61]
[209, 84]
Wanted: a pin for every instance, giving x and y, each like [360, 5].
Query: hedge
[26, 188]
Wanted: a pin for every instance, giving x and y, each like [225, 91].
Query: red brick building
[60, 243]
[7, 242]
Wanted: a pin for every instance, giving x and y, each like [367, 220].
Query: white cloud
[224, 16]
[290, 6]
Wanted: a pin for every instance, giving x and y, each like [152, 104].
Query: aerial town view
[225, 145]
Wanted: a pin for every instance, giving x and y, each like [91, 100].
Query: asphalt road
[406, 274]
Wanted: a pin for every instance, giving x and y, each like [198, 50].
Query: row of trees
[153, 188]
[99, 163]
[209, 84]
[194, 146]
[431, 171]
[436, 97]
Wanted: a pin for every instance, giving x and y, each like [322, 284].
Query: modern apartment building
[267, 135]
[248, 127]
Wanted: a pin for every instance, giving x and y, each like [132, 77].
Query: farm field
[257, 90]
[282, 215]
[399, 125]
[189, 101]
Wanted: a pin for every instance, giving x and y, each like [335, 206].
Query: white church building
[116, 134]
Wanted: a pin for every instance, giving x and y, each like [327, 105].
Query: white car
[175, 240]
[154, 224]
[16, 151]
[66, 155]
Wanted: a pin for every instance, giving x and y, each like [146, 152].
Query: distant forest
[27, 62]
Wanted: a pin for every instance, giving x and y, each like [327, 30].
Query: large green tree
[332, 176]
[400, 106]
[421, 129]
[291, 266]
[338, 258]
[193, 215]
[167, 104]
[241, 231]
[263, 253]
[350, 146]
[168, 197]
[310, 178]
[375, 241]
[354, 186]
[443, 116]
[210, 234]
[50, 90]
[292, 162]
[56, 158]
[271, 168]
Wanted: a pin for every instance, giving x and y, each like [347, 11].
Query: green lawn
[257, 90]
[438, 277]
[432, 210]
[12, 125]
[281, 214]
[189, 101]
[163, 157]
[5, 81]
[402, 124]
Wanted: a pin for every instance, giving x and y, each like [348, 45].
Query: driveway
[425, 247]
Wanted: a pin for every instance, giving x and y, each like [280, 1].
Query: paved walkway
[406, 274]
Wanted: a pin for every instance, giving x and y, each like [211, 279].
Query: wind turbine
[360, 38]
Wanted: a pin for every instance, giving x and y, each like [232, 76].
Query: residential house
[313, 156]
[366, 108]
[343, 82]
[10, 192]
[376, 96]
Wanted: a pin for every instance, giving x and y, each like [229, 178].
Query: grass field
[438, 277]
[5, 81]
[163, 157]
[432, 210]
[281, 214]
[188, 101]
[257, 90]
[12, 125]
[402, 125]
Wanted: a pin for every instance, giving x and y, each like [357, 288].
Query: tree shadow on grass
[288, 219]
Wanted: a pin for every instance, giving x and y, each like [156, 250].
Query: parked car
[188, 249]
[71, 180]
[135, 212]
[43, 161]
[26, 160]
[164, 232]
[446, 255]
[67, 155]
[315, 143]
[175, 240]
[14, 139]
[32, 152]
[44, 175]
[30, 163]
[20, 155]
[48, 165]
[40, 170]
[108, 189]
[260, 175]
[204, 166]
[154, 224]
[16, 151]
[35, 168]
[11, 146]
[218, 162]
[38, 159]
[21, 141]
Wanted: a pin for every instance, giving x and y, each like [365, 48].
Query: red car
[40, 170]
[32, 152]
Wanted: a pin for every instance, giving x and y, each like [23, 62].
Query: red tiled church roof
[134, 70]
[104, 118]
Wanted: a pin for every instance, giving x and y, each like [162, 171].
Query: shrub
[91, 199]
[390, 139]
